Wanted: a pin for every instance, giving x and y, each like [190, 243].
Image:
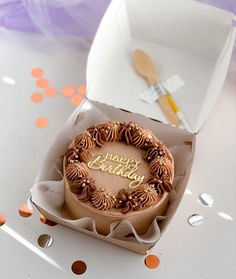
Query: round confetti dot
[41, 122]
[152, 261]
[37, 72]
[24, 211]
[195, 220]
[37, 97]
[45, 240]
[42, 83]
[82, 90]
[68, 91]
[46, 221]
[2, 220]
[76, 100]
[50, 91]
[206, 199]
[79, 267]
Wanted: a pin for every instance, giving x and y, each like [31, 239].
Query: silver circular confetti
[206, 199]
[195, 220]
[45, 240]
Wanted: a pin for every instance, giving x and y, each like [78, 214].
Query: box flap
[186, 38]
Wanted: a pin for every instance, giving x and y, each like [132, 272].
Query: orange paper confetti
[50, 91]
[82, 90]
[37, 97]
[152, 261]
[46, 221]
[41, 122]
[24, 211]
[68, 91]
[79, 267]
[2, 220]
[42, 83]
[37, 72]
[76, 100]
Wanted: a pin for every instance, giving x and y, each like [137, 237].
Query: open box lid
[187, 38]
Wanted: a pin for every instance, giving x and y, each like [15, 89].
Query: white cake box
[183, 37]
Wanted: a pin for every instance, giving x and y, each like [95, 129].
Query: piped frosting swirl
[146, 195]
[154, 151]
[84, 155]
[84, 141]
[127, 131]
[97, 135]
[126, 201]
[161, 185]
[76, 171]
[102, 199]
[142, 138]
[83, 188]
[159, 167]
[72, 155]
[110, 130]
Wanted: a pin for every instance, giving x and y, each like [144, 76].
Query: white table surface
[204, 252]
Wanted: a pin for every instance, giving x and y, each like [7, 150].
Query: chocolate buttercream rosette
[146, 195]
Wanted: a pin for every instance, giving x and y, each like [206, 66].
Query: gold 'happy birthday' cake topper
[123, 167]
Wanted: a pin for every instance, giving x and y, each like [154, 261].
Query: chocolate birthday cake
[117, 171]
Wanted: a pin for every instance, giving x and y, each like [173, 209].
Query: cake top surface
[118, 165]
